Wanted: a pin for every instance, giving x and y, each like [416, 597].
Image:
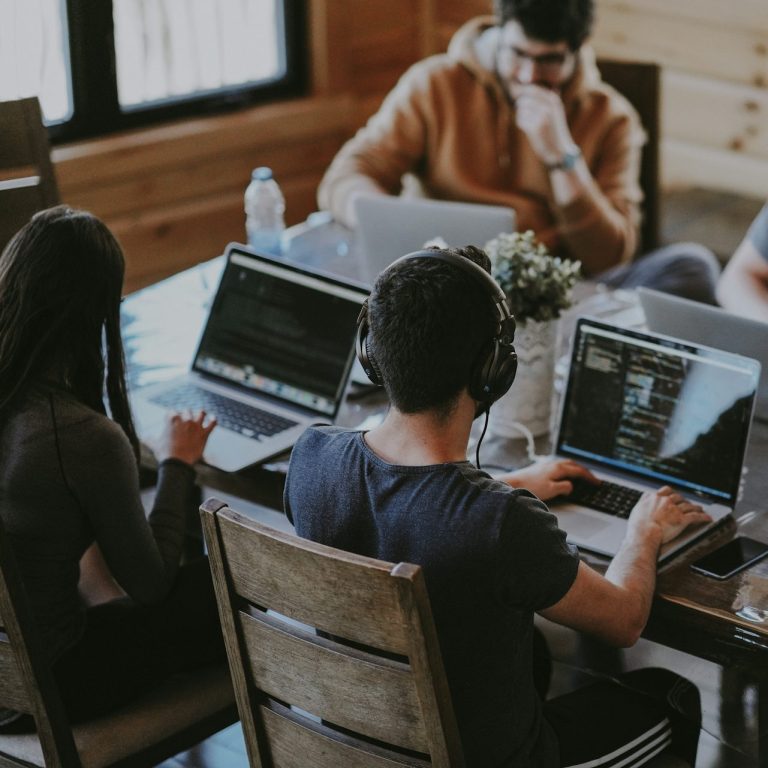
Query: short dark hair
[550, 20]
[429, 323]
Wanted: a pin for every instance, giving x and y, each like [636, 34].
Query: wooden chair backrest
[374, 675]
[640, 84]
[26, 682]
[27, 179]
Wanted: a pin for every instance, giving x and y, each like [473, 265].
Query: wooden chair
[381, 693]
[639, 83]
[27, 180]
[171, 719]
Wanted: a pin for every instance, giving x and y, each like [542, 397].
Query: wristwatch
[567, 161]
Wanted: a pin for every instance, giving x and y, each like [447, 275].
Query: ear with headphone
[496, 365]
[362, 349]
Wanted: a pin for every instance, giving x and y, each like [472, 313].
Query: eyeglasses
[508, 58]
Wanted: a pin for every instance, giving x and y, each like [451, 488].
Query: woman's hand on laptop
[549, 478]
[668, 511]
[184, 437]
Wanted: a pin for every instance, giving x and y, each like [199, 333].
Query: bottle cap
[263, 173]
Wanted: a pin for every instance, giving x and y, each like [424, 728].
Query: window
[104, 65]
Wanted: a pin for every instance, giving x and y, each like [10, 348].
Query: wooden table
[724, 622]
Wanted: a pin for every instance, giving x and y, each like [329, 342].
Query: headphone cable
[482, 435]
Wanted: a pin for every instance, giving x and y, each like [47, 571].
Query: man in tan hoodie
[515, 113]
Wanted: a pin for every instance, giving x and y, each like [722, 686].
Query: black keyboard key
[232, 414]
[611, 498]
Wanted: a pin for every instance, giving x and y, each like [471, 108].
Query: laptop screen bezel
[748, 364]
[235, 250]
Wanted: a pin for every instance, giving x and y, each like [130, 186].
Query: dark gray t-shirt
[68, 477]
[491, 555]
[758, 233]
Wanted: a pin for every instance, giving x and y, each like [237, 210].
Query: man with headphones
[438, 335]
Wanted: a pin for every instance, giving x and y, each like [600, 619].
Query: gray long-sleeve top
[68, 478]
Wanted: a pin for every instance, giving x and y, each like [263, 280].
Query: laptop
[642, 411]
[705, 324]
[390, 227]
[274, 357]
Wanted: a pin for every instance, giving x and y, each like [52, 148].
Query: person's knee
[694, 258]
[690, 270]
[679, 692]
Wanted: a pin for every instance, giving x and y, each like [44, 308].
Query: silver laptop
[390, 227]
[642, 411]
[274, 357]
[713, 326]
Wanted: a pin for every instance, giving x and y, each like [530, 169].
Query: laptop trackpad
[592, 530]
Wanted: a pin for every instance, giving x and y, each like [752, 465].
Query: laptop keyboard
[232, 414]
[607, 497]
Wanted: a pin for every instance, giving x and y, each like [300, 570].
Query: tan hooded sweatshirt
[449, 122]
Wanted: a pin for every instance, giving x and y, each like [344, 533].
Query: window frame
[95, 103]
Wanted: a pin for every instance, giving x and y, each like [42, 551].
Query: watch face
[569, 160]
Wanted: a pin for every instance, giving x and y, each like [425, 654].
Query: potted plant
[538, 287]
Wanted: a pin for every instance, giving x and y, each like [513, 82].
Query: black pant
[127, 649]
[623, 721]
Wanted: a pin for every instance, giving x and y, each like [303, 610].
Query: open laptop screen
[654, 407]
[281, 331]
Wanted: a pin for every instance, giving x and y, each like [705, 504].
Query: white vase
[529, 400]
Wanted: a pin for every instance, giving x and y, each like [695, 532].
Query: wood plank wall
[714, 59]
[173, 194]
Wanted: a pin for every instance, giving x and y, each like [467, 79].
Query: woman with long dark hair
[69, 475]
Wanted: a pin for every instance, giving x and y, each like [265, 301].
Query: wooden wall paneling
[367, 106]
[160, 243]
[716, 114]
[328, 36]
[748, 14]
[367, 20]
[719, 51]
[205, 177]
[451, 14]
[689, 164]
[427, 21]
[174, 195]
[386, 38]
[715, 84]
[454, 13]
[123, 155]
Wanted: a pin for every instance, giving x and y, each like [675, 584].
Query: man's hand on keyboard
[184, 437]
[667, 510]
[549, 478]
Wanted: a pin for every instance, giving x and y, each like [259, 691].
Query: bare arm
[615, 607]
[96, 585]
[743, 287]
[548, 479]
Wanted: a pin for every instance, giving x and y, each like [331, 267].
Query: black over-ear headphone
[496, 365]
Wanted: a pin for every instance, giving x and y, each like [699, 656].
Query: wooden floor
[729, 735]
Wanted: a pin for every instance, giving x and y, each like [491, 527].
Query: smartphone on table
[731, 557]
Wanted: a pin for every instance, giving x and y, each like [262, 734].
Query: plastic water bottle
[264, 208]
